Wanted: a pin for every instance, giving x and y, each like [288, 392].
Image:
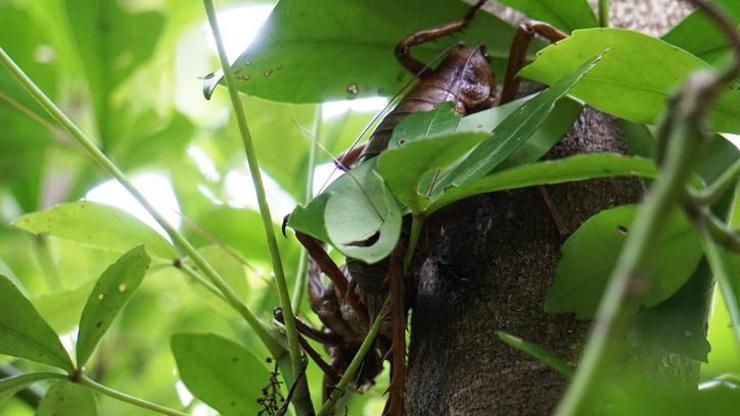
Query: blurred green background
[129, 72]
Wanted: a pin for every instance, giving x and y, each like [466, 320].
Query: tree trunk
[487, 264]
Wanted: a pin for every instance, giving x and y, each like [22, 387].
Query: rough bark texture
[487, 265]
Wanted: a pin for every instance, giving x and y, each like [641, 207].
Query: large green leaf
[11, 385]
[356, 214]
[24, 141]
[112, 42]
[95, 225]
[564, 14]
[635, 78]
[221, 373]
[321, 50]
[62, 309]
[570, 169]
[700, 36]
[515, 129]
[68, 399]
[7, 272]
[590, 254]
[679, 324]
[23, 333]
[114, 288]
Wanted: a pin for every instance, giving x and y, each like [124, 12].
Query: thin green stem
[724, 274]
[93, 385]
[618, 301]
[604, 13]
[300, 281]
[193, 274]
[417, 222]
[354, 365]
[107, 165]
[303, 404]
[712, 193]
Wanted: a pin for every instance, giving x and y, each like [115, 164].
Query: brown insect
[348, 305]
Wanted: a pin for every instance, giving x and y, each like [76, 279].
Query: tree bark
[486, 265]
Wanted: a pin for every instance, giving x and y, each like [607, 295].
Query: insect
[348, 305]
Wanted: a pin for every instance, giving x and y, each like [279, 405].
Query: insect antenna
[337, 162]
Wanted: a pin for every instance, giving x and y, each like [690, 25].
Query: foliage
[126, 73]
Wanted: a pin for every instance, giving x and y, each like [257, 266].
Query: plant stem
[417, 222]
[193, 274]
[181, 243]
[618, 300]
[604, 13]
[303, 404]
[300, 281]
[712, 193]
[723, 272]
[354, 365]
[92, 385]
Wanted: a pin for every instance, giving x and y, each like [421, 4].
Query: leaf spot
[353, 89]
[101, 296]
[122, 287]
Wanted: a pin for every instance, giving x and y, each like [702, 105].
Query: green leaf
[23, 332]
[635, 78]
[678, 324]
[441, 120]
[563, 14]
[362, 217]
[114, 288]
[7, 272]
[11, 385]
[62, 309]
[356, 214]
[538, 352]
[700, 36]
[95, 225]
[557, 123]
[221, 373]
[639, 139]
[590, 254]
[570, 169]
[404, 167]
[68, 399]
[515, 130]
[321, 50]
[112, 43]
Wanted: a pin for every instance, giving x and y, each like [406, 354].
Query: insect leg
[329, 268]
[403, 49]
[518, 53]
[308, 330]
